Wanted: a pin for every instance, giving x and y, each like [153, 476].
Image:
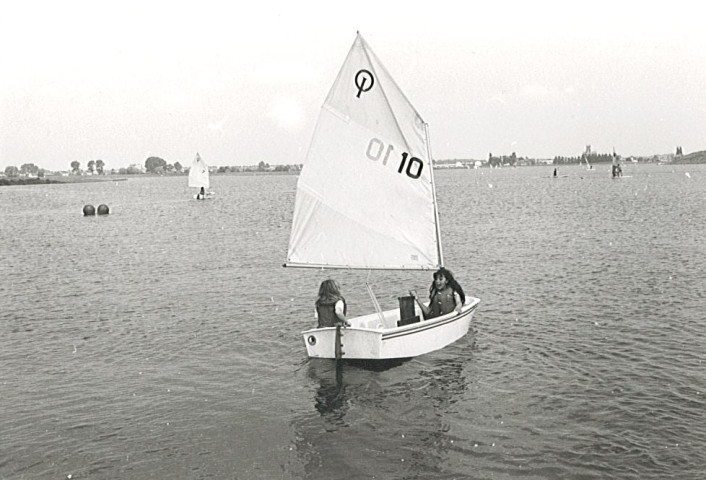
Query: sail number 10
[412, 166]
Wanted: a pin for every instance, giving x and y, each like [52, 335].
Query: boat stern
[321, 342]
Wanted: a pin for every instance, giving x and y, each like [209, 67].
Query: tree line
[27, 169]
[592, 158]
[155, 165]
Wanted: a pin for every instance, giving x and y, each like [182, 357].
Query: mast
[433, 195]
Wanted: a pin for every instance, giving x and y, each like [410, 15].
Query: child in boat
[445, 295]
[330, 305]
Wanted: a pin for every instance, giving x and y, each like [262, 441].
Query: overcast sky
[243, 82]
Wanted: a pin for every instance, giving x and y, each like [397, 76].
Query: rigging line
[374, 300]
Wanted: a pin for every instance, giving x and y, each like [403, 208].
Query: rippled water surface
[162, 341]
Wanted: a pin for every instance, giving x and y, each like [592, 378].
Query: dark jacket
[327, 313]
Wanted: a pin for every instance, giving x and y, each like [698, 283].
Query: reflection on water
[381, 418]
[331, 394]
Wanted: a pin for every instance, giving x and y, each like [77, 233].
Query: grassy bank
[9, 181]
[25, 181]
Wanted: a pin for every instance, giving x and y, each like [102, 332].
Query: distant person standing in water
[555, 172]
[617, 169]
[330, 305]
[445, 295]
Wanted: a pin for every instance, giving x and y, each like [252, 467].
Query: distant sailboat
[366, 200]
[199, 177]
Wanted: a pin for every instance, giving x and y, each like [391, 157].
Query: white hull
[369, 339]
[208, 196]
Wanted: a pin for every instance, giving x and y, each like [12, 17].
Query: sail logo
[361, 81]
[375, 150]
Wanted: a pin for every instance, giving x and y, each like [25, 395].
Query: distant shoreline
[84, 178]
[54, 179]
[7, 182]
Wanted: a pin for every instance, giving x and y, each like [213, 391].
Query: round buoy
[103, 209]
[89, 210]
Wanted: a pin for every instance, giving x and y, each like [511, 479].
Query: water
[162, 341]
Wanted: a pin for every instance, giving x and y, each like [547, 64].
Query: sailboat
[199, 178]
[366, 200]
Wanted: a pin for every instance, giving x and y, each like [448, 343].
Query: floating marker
[88, 210]
[103, 209]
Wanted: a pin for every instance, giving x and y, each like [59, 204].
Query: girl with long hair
[330, 305]
[445, 295]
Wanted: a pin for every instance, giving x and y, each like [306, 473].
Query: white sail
[365, 197]
[198, 174]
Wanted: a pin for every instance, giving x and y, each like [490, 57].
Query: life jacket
[442, 303]
[327, 313]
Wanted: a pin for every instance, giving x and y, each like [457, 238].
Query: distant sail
[365, 197]
[198, 174]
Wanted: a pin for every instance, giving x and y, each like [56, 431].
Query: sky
[243, 82]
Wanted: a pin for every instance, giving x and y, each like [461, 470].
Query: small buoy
[103, 209]
[89, 210]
